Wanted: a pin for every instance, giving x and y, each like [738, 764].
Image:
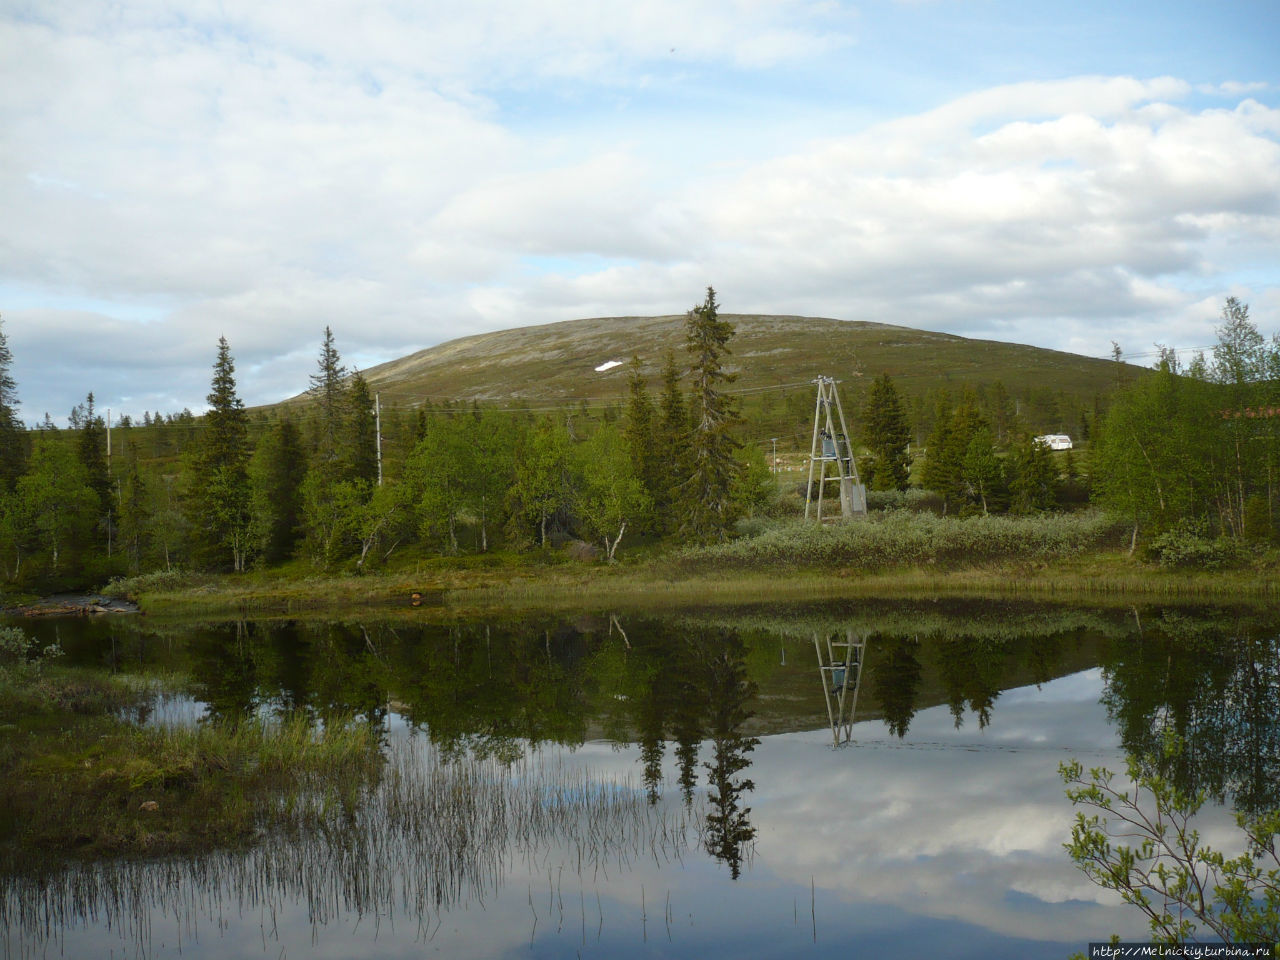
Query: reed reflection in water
[694, 705]
[433, 835]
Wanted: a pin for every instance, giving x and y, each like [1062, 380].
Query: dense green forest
[1189, 457]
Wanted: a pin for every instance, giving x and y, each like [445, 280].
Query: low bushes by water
[157, 580]
[899, 538]
[1189, 545]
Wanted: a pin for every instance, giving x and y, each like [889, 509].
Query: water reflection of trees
[973, 672]
[495, 689]
[498, 690]
[691, 686]
[1215, 683]
[729, 830]
[895, 681]
[968, 672]
[284, 667]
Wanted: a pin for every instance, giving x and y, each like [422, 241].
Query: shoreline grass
[893, 554]
[79, 780]
[1097, 575]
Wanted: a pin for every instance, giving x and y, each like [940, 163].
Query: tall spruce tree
[706, 504]
[338, 484]
[359, 437]
[276, 471]
[91, 447]
[1033, 477]
[13, 438]
[939, 471]
[887, 435]
[948, 446]
[328, 389]
[220, 480]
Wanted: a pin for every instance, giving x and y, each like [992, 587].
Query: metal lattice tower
[831, 448]
[840, 669]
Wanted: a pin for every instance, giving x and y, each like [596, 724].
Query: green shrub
[752, 526]
[19, 654]
[157, 580]
[913, 498]
[1142, 842]
[903, 539]
[1188, 545]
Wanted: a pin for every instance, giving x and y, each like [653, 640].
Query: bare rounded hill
[556, 362]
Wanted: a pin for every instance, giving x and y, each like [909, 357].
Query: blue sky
[408, 173]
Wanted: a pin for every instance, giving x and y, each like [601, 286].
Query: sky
[414, 171]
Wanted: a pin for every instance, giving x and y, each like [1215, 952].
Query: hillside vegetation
[555, 363]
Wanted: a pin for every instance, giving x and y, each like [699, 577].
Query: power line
[1155, 353]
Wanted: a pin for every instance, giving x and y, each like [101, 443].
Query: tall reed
[432, 835]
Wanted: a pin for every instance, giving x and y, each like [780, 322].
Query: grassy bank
[1081, 556]
[78, 779]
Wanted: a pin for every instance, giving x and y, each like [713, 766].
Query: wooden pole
[377, 419]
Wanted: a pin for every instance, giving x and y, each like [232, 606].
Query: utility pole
[774, 441]
[377, 419]
[109, 524]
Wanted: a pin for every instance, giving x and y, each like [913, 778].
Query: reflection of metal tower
[840, 669]
[831, 446]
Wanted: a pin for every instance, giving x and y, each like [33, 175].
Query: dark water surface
[873, 778]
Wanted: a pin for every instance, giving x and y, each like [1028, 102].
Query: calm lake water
[874, 779]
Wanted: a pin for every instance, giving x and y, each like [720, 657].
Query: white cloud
[1233, 88]
[411, 173]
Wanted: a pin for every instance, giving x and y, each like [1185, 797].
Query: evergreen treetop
[227, 425]
[92, 451]
[707, 340]
[328, 388]
[8, 388]
[220, 479]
